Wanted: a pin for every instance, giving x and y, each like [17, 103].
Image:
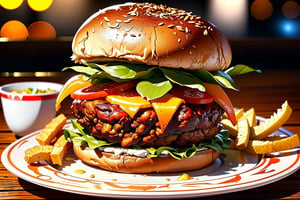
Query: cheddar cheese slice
[165, 107]
[130, 101]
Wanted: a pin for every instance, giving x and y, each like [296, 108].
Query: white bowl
[25, 113]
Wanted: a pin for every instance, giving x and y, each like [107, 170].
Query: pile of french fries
[52, 144]
[256, 138]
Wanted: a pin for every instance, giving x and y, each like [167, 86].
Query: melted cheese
[165, 107]
[130, 101]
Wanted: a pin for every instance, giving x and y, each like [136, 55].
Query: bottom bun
[132, 164]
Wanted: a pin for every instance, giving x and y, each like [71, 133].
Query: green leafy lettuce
[81, 136]
[154, 81]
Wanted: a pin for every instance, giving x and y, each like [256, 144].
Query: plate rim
[157, 194]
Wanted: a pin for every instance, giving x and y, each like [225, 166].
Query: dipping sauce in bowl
[33, 91]
[26, 107]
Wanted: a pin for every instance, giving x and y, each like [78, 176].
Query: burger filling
[191, 124]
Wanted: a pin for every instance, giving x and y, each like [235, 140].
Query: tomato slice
[192, 95]
[102, 90]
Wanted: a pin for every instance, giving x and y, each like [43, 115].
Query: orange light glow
[261, 9]
[41, 30]
[14, 29]
[231, 23]
[291, 9]
[39, 5]
[11, 4]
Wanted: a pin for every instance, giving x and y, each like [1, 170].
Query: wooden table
[265, 92]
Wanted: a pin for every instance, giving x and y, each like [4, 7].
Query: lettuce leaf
[80, 136]
[148, 76]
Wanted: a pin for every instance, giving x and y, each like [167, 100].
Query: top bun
[154, 35]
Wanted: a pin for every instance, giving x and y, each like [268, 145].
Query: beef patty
[191, 124]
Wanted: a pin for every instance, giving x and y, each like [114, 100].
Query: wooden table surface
[265, 92]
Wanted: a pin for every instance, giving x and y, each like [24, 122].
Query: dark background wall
[270, 43]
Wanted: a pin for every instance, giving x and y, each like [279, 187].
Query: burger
[148, 96]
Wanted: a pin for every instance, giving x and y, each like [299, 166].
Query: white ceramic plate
[232, 171]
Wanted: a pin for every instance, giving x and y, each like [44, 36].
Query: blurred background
[36, 35]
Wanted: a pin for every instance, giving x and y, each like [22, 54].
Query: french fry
[250, 116]
[51, 153]
[257, 139]
[38, 153]
[243, 136]
[51, 130]
[60, 149]
[265, 146]
[239, 113]
[233, 131]
[273, 123]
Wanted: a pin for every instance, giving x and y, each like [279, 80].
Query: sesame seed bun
[132, 164]
[153, 35]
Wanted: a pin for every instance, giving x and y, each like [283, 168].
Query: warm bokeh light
[14, 29]
[261, 9]
[230, 16]
[39, 5]
[66, 16]
[11, 4]
[291, 9]
[42, 31]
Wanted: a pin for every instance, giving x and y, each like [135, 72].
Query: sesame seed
[117, 25]
[180, 28]
[171, 26]
[133, 13]
[186, 18]
[187, 30]
[179, 40]
[191, 22]
[128, 20]
[106, 19]
[174, 33]
[205, 32]
[161, 24]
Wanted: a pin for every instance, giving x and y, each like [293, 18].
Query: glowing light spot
[289, 28]
[261, 9]
[41, 30]
[14, 29]
[11, 4]
[39, 5]
[231, 23]
[291, 9]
